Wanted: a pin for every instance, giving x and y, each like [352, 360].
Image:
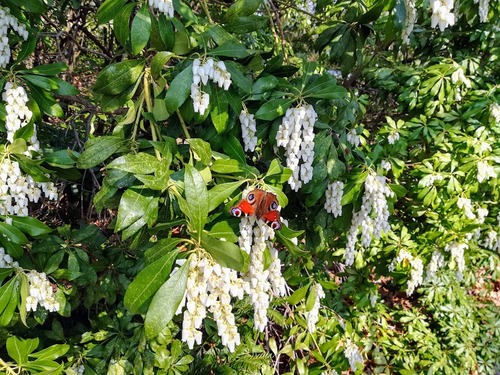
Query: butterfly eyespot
[251, 198]
[276, 225]
[235, 211]
[273, 206]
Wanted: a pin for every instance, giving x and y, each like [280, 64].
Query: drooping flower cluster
[333, 195]
[458, 76]
[353, 138]
[351, 352]
[296, 135]
[261, 283]
[202, 72]
[8, 21]
[442, 14]
[485, 171]
[411, 16]
[77, 369]
[483, 10]
[481, 214]
[164, 6]
[17, 189]
[466, 205]
[435, 264]
[430, 179]
[373, 216]
[248, 130]
[211, 287]
[417, 269]
[6, 260]
[492, 241]
[495, 112]
[312, 316]
[386, 165]
[456, 250]
[41, 292]
[393, 137]
[18, 113]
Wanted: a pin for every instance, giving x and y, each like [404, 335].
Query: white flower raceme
[485, 171]
[8, 21]
[210, 287]
[261, 284]
[456, 250]
[312, 316]
[6, 260]
[458, 76]
[164, 6]
[393, 137]
[202, 72]
[442, 14]
[351, 352]
[411, 16]
[492, 241]
[296, 135]
[373, 216]
[436, 263]
[417, 269]
[353, 138]
[17, 189]
[41, 292]
[481, 214]
[428, 180]
[466, 205]
[18, 114]
[373, 299]
[386, 165]
[248, 130]
[77, 369]
[333, 196]
[483, 10]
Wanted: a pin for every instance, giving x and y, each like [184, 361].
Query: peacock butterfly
[262, 204]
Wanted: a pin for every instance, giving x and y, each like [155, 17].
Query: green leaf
[237, 77]
[52, 352]
[97, 150]
[166, 301]
[43, 82]
[311, 299]
[121, 24]
[108, 10]
[219, 193]
[148, 281]
[32, 6]
[64, 88]
[115, 78]
[246, 24]
[159, 62]
[195, 191]
[223, 231]
[325, 87]
[24, 292]
[201, 149]
[225, 253]
[264, 84]
[273, 108]
[230, 49]
[162, 248]
[294, 249]
[298, 295]
[140, 163]
[219, 110]
[6, 292]
[13, 234]
[45, 101]
[48, 69]
[233, 148]
[30, 225]
[27, 49]
[135, 211]
[241, 8]
[179, 89]
[19, 349]
[141, 30]
[62, 158]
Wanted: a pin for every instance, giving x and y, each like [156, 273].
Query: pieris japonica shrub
[265, 187]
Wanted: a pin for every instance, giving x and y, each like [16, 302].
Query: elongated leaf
[273, 108]
[202, 150]
[179, 89]
[136, 163]
[223, 231]
[45, 101]
[230, 49]
[233, 148]
[219, 113]
[108, 10]
[52, 352]
[219, 193]
[241, 8]
[48, 69]
[325, 87]
[238, 77]
[13, 234]
[166, 301]
[97, 150]
[225, 253]
[121, 24]
[298, 295]
[141, 30]
[19, 349]
[264, 84]
[148, 281]
[135, 211]
[6, 292]
[43, 82]
[159, 61]
[162, 248]
[30, 225]
[115, 78]
[196, 195]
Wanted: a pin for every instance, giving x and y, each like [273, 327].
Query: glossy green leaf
[158, 62]
[196, 194]
[298, 295]
[20, 349]
[166, 301]
[241, 8]
[97, 150]
[219, 110]
[230, 49]
[13, 234]
[201, 149]
[121, 24]
[220, 192]
[52, 352]
[180, 89]
[140, 163]
[115, 78]
[45, 101]
[141, 30]
[273, 108]
[225, 253]
[162, 248]
[30, 225]
[148, 281]
[109, 9]
[325, 87]
[233, 148]
[135, 211]
[223, 231]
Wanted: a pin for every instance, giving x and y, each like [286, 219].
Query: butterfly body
[262, 204]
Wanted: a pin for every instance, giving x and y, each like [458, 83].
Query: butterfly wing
[249, 205]
[268, 211]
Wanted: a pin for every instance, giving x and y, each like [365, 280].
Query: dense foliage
[132, 130]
